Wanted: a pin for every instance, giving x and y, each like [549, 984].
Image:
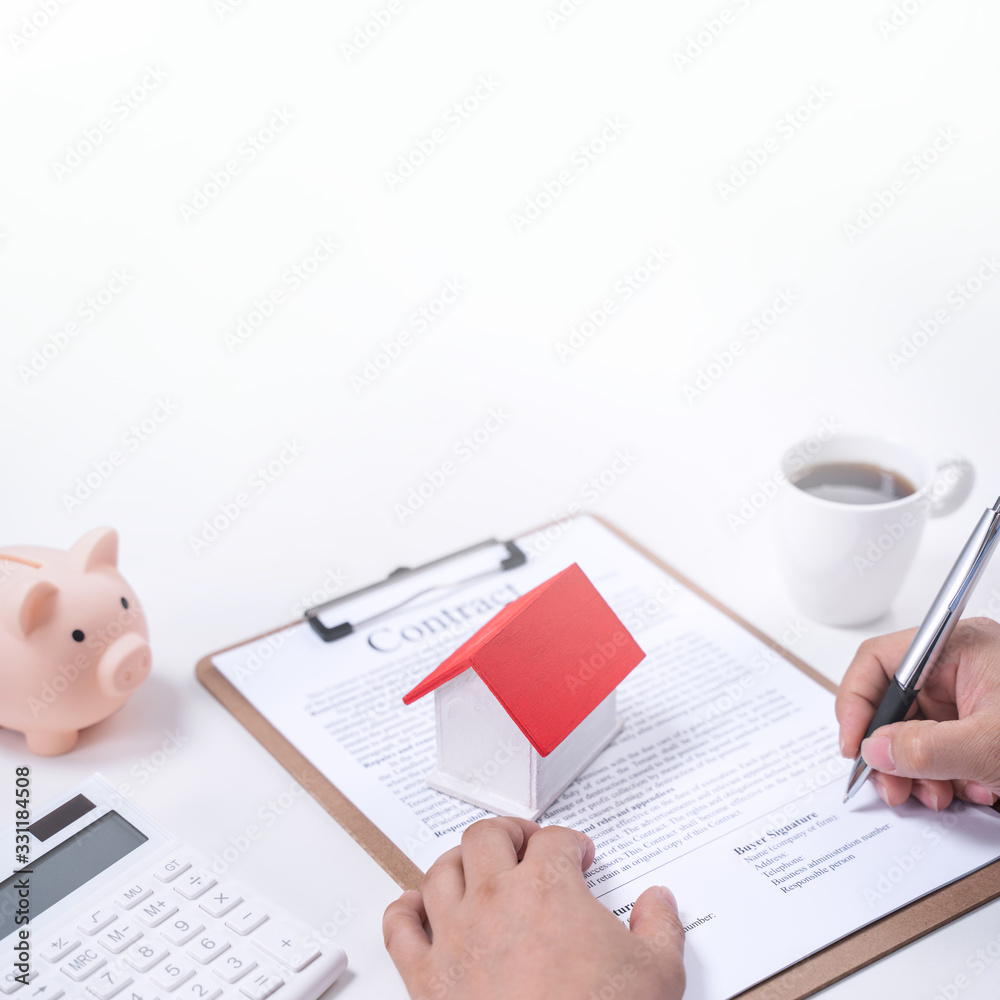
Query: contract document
[725, 784]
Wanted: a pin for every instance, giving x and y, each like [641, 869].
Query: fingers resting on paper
[954, 749]
[509, 913]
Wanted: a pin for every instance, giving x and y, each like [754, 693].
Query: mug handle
[950, 488]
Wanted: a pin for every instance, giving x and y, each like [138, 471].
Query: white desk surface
[207, 79]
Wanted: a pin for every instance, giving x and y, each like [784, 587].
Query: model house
[529, 701]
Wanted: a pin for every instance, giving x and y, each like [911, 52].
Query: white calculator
[119, 908]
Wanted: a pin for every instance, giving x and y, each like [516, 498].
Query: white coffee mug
[844, 563]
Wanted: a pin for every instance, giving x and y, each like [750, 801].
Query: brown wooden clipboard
[798, 981]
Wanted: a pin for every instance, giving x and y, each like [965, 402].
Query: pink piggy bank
[73, 639]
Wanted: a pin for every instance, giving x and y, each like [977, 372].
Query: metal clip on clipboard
[482, 560]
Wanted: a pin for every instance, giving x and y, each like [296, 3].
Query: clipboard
[803, 979]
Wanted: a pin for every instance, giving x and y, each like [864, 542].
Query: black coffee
[852, 482]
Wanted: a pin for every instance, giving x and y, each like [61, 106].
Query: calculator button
[97, 920]
[59, 946]
[220, 901]
[116, 939]
[130, 895]
[260, 984]
[12, 978]
[144, 955]
[287, 944]
[154, 911]
[139, 991]
[193, 884]
[46, 989]
[8, 981]
[183, 926]
[171, 975]
[111, 981]
[170, 869]
[207, 947]
[82, 963]
[236, 963]
[199, 988]
[245, 920]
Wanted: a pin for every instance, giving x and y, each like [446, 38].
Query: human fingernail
[842, 754]
[877, 752]
[668, 897]
[975, 792]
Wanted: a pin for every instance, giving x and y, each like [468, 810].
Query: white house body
[484, 758]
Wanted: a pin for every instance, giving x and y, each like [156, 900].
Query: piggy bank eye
[125, 604]
[78, 636]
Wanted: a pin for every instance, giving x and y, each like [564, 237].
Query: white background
[70, 219]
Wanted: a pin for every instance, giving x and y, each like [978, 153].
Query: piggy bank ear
[30, 604]
[97, 548]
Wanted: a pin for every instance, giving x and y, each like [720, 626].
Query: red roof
[550, 658]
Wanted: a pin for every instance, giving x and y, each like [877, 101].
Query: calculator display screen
[75, 861]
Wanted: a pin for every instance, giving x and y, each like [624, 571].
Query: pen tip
[846, 797]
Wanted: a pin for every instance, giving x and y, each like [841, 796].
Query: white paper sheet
[725, 784]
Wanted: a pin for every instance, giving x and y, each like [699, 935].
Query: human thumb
[654, 919]
[922, 748]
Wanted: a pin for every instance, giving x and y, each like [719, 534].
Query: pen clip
[329, 633]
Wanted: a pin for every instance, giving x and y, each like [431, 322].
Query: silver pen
[933, 634]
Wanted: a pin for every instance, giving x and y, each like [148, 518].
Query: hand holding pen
[951, 671]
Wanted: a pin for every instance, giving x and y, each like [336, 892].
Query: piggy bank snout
[124, 665]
